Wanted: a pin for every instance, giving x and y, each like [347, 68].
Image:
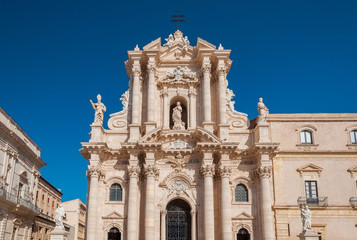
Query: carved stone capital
[94, 172]
[136, 71]
[163, 212]
[133, 171]
[192, 92]
[164, 92]
[208, 170]
[224, 171]
[151, 68]
[151, 171]
[193, 212]
[221, 71]
[263, 172]
[206, 68]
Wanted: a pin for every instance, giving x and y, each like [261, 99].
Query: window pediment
[243, 216]
[352, 170]
[310, 168]
[113, 215]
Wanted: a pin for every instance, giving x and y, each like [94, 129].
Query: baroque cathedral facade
[179, 162]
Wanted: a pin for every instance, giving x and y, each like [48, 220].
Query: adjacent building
[76, 217]
[180, 162]
[20, 165]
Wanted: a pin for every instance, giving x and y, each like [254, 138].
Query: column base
[308, 235]
[134, 132]
[208, 125]
[58, 234]
[149, 126]
[223, 131]
[261, 133]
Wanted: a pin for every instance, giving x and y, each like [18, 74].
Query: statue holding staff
[99, 109]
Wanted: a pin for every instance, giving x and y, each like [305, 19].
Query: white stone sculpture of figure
[176, 117]
[169, 40]
[263, 111]
[186, 43]
[305, 217]
[99, 109]
[59, 216]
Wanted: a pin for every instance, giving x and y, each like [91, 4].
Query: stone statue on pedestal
[305, 217]
[263, 112]
[176, 117]
[60, 214]
[99, 109]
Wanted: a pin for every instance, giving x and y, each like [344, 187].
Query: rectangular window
[306, 137]
[311, 192]
[354, 137]
[20, 190]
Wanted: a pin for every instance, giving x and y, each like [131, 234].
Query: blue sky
[301, 56]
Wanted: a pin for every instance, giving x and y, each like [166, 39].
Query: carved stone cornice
[263, 172]
[134, 171]
[224, 171]
[208, 170]
[151, 171]
[94, 172]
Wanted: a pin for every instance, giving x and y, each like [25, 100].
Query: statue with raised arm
[60, 214]
[99, 109]
[176, 117]
[263, 111]
[305, 217]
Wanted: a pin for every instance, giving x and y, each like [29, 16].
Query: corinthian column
[224, 172]
[221, 72]
[193, 223]
[136, 71]
[207, 172]
[192, 95]
[150, 172]
[151, 93]
[133, 172]
[165, 107]
[206, 69]
[163, 224]
[93, 175]
[264, 174]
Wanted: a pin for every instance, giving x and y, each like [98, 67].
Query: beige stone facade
[76, 217]
[20, 165]
[180, 161]
[48, 199]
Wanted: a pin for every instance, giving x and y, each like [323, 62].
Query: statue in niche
[305, 217]
[263, 111]
[99, 109]
[60, 214]
[176, 117]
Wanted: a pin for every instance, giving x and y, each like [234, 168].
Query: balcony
[353, 202]
[317, 201]
[18, 200]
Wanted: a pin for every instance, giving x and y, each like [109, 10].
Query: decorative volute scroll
[94, 171]
[263, 172]
[119, 120]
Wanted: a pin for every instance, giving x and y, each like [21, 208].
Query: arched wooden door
[178, 220]
[114, 234]
[243, 234]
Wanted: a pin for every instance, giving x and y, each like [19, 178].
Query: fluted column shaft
[150, 172]
[163, 224]
[224, 172]
[165, 108]
[264, 174]
[206, 68]
[193, 225]
[133, 172]
[192, 96]
[221, 71]
[136, 71]
[151, 93]
[93, 176]
[208, 172]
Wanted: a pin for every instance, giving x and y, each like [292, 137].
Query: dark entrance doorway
[243, 234]
[114, 234]
[178, 220]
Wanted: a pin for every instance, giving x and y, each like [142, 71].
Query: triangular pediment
[113, 215]
[352, 169]
[154, 45]
[203, 44]
[243, 216]
[177, 53]
[310, 168]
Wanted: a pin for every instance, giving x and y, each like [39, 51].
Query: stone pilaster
[151, 124]
[93, 175]
[264, 174]
[193, 224]
[150, 172]
[206, 93]
[133, 173]
[165, 104]
[163, 224]
[224, 173]
[208, 171]
[222, 100]
[134, 126]
[192, 95]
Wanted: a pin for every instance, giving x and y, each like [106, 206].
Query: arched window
[354, 137]
[306, 137]
[243, 234]
[116, 192]
[114, 234]
[241, 193]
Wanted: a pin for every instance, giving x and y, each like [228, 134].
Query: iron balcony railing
[314, 201]
[18, 200]
[353, 202]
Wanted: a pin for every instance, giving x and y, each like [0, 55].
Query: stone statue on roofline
[99, 109]
[263, 112]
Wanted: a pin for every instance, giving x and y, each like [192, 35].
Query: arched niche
[183, 102]
[178, 220]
